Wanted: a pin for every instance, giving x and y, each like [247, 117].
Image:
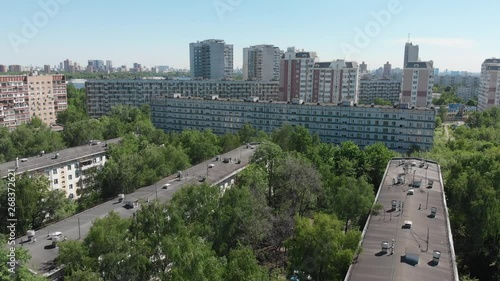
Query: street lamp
[156, 191]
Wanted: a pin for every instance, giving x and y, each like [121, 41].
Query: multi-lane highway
[77, 227]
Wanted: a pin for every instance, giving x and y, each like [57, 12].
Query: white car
[165, 186]
[56, 235]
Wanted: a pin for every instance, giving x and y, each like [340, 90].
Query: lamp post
[156, 191]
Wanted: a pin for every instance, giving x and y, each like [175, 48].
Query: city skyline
[374, 32]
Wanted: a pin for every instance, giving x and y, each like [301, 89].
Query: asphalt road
[77, 227]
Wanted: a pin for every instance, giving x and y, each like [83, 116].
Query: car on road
[56, 235]
[211, 165]
[165, 186]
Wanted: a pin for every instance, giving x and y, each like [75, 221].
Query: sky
[456, 35]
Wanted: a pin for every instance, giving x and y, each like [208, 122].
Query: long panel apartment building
[25, 96]
[371, 89]
[400, 128]
[102, 95]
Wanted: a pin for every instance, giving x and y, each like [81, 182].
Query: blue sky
[456, 35]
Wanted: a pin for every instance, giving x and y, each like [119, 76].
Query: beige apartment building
[489, 91]
[418, 80]
[25, 96]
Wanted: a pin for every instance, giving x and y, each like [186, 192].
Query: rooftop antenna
[408, 37]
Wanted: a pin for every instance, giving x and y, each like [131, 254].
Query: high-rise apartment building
[418, 80]
[211, 59]
[304, 78]
[15, 68]
[489, 93]
[363, 68]
[334, 82]
[261, 63]
[68, 66]
[109, 65]
[26, 96]
[4, 68]
[46, 68]
[411, 53]
[295, 67]
[387, 70]
[96, 65]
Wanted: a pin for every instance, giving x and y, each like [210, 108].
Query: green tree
[240, 219]
[295, 186]
[320, 248]
[75, 257]
[349, 198]
[192, 259]
[229, 142]
[438, 122]
[377, 156]
[247, 133]
[81, 132]
[242, 266]
[381, 101]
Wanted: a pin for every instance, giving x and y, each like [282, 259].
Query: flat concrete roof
[262, 101]
[37, 163]
[426, 235]
[78, 226]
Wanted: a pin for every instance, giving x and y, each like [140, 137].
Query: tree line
[296, 210]
[470, 163]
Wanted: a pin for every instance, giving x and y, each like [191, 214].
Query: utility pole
[79, 231]
[427, 203]
[156, 191]
[427, 240]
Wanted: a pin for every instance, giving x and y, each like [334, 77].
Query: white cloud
[459, 43]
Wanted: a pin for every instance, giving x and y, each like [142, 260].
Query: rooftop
[415, 217]
[165, 80]
[257, 100]
[49, 160]
[418, 64]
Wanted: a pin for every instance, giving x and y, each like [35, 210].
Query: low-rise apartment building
[102, 95]
[401, 128]
[66, 169]
[371, 89]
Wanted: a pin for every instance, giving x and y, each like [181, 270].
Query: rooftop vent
[408, 224]
[297, 101]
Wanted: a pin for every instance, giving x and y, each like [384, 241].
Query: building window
[54, 172]
[70, 177]
[56, 181]
[71, 186]
[69, 167]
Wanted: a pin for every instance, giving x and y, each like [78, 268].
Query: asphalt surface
[78, 226]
